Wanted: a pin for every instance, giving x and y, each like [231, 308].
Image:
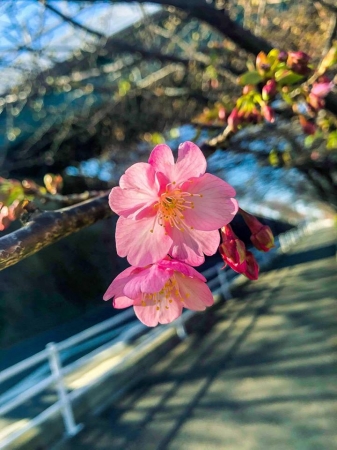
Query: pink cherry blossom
[159, 292]
[322, 89]
[171, 208]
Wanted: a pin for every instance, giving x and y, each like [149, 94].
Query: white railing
[114, 334]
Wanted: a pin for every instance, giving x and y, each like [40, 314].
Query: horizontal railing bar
[26, 395]
[150, 338]
[208, 272]
[38, 420]
[119, 344]
[23, 365]
[116, 320]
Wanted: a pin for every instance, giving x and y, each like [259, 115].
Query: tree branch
[218, 19]
[50, 226]
[72, 21]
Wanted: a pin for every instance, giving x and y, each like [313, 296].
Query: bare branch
[73, 21]
[50, 226]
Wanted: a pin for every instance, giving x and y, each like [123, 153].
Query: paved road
[262, 378]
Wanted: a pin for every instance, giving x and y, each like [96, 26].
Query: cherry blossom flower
[171, 208]
[159, 292]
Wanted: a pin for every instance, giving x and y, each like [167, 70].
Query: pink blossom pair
[174, 209]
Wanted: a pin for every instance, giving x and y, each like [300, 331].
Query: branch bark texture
[50, 226]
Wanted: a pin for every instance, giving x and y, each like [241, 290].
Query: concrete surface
[260, 375]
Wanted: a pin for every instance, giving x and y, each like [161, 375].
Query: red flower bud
[233, 250]
[298, 62]
[268, 113]
[234, 119]
[262, 237]
[307, 126]
[269, 90]
[263, 240]
[315, 102]
[252, 270]
[282, 56]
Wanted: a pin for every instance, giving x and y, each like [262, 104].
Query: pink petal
[186, 248]
[215, 208]
[191, 162]
[195, 294]
[161, 159]
[117, 286]
[140, 176]
[166, 313]
[132, 204]
[142, 247]
[149, 280]
[137, 193]
[122, 302]
[189, 246]
[181, 267]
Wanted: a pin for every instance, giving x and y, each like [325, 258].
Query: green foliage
[251, 77]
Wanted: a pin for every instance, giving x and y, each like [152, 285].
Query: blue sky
[28, 24]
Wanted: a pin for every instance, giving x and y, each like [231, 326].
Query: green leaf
[309, 140]
[332, 140]
[273, 55]
[250, 78]
[284, 76]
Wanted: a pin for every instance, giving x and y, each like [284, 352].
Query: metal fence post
[66, 408]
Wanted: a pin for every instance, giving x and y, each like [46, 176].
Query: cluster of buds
[249, 109]
[10, 213]
[289, 76]
[314, 99]
[11, 200]
[15, 195]
[318, 92]
[234, 252]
